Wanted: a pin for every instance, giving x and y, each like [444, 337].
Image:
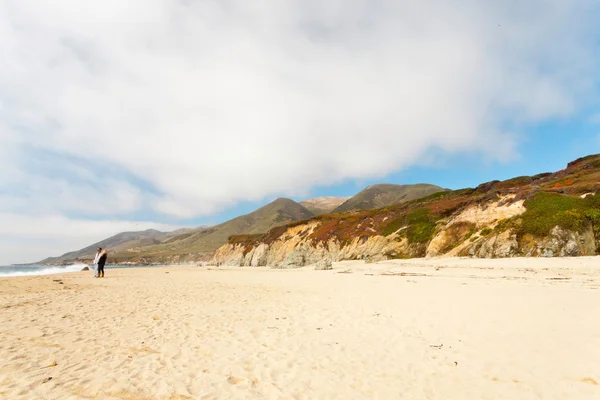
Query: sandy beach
[416, 329]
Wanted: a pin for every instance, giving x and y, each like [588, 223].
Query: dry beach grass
[417, 329]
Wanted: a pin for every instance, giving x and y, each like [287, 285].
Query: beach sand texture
[418, 329]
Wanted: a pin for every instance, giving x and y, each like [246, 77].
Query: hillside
[118, 243]
[198, 245]
[383, 195]
[188, 245]
[323, 205]
[550, 214]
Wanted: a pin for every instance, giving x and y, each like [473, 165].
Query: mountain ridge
[116, 242]
[386, 194]
[324, 204]
[199, 244]
[151, 245]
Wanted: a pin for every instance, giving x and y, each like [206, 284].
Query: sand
[419, 329]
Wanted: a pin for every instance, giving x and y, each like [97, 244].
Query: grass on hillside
[547, 210]
[420, 225]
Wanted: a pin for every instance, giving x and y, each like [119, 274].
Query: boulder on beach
[85, 269]
[323, 265]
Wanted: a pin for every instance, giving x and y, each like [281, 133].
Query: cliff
[551, 214]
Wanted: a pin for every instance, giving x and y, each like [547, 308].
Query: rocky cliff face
[478, 230]
[296, 249]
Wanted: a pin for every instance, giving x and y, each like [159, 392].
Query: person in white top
[99, 261]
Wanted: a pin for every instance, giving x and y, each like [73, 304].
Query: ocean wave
[40, 270]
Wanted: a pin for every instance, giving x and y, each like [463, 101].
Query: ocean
[35, 270]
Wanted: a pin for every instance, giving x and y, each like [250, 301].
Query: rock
[323, 265]
[571, 249]
[498, 246]
[547, 253]
[259, 256]
[565, 243]
[85, 268]
[295, 260]
[506, 245]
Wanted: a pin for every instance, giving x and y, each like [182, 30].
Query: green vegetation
[547, 210]
[432, 197]
[394, 226]
[244, 239]
[420, 225]
[485, 231]
[472, 230]
[505, 224]
[594, 216]
[463, 192]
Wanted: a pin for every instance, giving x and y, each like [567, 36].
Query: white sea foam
[39, 270]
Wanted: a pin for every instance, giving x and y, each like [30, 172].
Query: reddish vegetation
[581, 176]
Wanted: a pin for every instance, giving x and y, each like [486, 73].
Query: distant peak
[282, 200]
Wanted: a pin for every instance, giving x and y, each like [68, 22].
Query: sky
[161, 114]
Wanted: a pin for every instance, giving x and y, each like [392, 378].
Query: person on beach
[99, 261]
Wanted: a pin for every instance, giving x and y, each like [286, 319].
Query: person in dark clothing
[100, 261]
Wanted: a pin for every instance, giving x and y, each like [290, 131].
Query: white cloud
[215, 102]
[33, 238]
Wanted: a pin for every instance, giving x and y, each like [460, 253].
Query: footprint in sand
[589, 381]
[234, 380]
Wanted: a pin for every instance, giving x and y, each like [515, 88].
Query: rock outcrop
[324, 265]
[296, 249]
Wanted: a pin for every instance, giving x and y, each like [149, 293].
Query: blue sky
[165, 113]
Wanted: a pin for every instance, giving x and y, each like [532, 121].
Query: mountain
[383, 195]
[117, 243]
[323, 205]
[191, 244]
[199, 244]
[546, 215]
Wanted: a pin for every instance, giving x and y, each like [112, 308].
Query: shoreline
[42, 270]
[587, 263]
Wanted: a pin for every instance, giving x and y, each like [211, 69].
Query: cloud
[215, 102]
[33, 238]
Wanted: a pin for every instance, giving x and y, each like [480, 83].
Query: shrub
[486, 231]
[244, 239]
[547, 210]
[593, 215]
[433, 196]
[420, 225]
[472, 230]
[393, 226]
